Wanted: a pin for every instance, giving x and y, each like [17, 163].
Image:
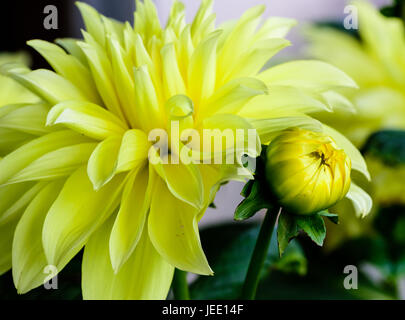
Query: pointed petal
[183, 180]
[101, 70]
[23, 156]
[15, 210]
[30, 119]
[133, 151]
[283, 101]
[147, 104]
[131, 217]
[362, 202]
[56, 164]
[202, 69]
[172, 79]
[76, 213]
[28, 255]
[48, 85]
[308, 74]
[86, 118]
[269, 128]
[232, 96]
[103, 161]
[173, 231]
[145, 275]
[358, 162]
[69, 67]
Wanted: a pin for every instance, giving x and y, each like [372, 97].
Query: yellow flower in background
[85, 177]
[307, 171]
[377, 63]
[11, 91]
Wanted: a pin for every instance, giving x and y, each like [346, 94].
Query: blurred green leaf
[387, 145]
[231, 261]
[397, 9]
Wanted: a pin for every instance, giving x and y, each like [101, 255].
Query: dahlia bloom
[376, 61]
[88, 174]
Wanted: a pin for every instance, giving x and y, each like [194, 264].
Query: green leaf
[286, 231]
[313, 226]
[255, 201]
[257, 194]
[387, 145]
[229, 249]
[289, 226]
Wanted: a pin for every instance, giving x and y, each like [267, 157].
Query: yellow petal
[6, 242]
[173, 231]
[183, 180]
[26, 118]
[131, 217]
[92, 21]
[133, 151]
[103, 161]
[283, 101]
[76, 213]
[123, 79]
[150, 115]
[101, 70]
[172, 79]
[29, 258]
[232, 96]
[23, 156]
[56, 164]
[15, 210]
[69, 67]
[358, 162]
[86, 118]
[308, 74]
[269, 128]
[145, 275]
[202, 69]
[11, 140]
[48, 85]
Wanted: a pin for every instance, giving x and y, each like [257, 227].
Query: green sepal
[290, 226]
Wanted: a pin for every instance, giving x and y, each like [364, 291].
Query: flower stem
[180, 286]
[259, 255]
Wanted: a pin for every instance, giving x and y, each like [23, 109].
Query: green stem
[259, 255]
[180, 286]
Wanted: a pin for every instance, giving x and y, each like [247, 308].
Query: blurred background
[23, 20]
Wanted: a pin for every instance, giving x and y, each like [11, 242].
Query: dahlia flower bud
[307, 171]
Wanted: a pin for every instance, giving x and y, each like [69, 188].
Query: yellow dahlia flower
[90, 176]
[307, 171]
[11, 91]
[377, 63]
